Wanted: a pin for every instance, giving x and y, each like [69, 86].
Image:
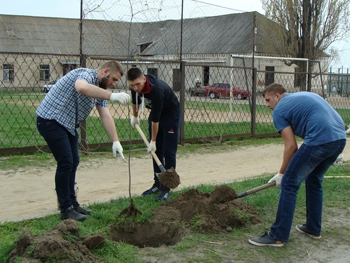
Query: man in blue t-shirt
[310, 117]
[59, 115]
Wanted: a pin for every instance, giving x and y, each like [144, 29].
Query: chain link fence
[220, 95]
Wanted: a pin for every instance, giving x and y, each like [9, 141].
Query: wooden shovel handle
[256, 189]
[154, 155]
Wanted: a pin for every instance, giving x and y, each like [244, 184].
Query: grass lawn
[204, 247]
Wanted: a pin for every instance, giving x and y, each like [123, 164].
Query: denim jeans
[308, 164]
[64, 147]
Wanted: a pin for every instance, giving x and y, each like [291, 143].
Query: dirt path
[29, 193]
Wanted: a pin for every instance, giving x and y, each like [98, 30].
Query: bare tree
[307, 28]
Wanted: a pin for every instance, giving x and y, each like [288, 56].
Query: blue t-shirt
[310, 116]
[65, 105]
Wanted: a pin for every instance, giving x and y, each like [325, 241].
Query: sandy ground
[29, 193]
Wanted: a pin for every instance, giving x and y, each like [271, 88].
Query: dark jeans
[308, 164]
[64, 147]
[167, 140]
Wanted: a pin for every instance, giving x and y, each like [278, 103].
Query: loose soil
[103, 180]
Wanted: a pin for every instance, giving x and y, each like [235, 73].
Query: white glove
[152, 146]
[121, 97]
[134, 120]
[277, 178]
[117, 147]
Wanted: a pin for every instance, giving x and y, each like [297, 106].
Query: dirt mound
[193, 210]
[62, 244]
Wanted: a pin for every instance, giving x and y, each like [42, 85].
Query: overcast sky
[171, 9]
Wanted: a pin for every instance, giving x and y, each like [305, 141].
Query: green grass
[195, 247]
[105, 214]
[18, 122]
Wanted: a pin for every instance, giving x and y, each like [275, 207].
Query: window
[44, 72]
[9, 73]
[269, 75]
[152, 71]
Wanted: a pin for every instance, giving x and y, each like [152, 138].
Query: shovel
[256, 189]
[168, 178]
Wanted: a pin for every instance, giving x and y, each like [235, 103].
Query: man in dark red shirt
[164, 121]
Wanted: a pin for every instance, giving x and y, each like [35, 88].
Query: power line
[218, 6]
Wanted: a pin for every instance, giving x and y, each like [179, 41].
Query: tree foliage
[307, 27]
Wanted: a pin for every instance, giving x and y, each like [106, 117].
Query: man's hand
[277, 178]
[117, 147]
[121, 97]
[152, 146]
[134, 120]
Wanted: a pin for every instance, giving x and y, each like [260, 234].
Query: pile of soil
[193, 210]
[62, 245]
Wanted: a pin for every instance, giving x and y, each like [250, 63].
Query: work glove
[121, 97]
[117, 147]
[152, 146]
[133, 121]
[277, 178]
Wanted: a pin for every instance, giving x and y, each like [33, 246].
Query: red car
[217, 90]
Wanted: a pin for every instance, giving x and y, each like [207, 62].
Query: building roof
[225, 34]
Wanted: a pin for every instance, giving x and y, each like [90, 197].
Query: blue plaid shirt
[65, 105]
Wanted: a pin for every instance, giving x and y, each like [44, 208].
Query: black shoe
[82, 210]
[70, 213]
[163, 196]
[154, 189]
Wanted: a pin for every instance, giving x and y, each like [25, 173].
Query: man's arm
[92, 91]
[155, 128]
[290, 147]
[108, 123]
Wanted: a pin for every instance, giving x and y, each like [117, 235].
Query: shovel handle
[256, 189]
[154, 155]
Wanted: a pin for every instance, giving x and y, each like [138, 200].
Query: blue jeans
[308, 164]
[64, 147]
[167, 140]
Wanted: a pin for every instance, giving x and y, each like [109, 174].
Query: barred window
[9, 73]
[44, 72]
[269, 75]
[152, 71]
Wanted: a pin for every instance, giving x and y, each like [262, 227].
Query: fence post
[83, 143]
[182, 103]
[253, 103]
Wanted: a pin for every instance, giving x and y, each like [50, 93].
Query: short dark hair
[134, 73]
[274, 88]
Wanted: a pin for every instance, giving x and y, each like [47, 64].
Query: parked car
[219, 89]
[48, 86]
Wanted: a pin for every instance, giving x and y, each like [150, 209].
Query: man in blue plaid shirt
[68, 103]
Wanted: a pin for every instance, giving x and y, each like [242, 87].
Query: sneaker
[265, 240]
[163, 196]
[82, 210]
[70, 213]
[302, 229]
[154, 189]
